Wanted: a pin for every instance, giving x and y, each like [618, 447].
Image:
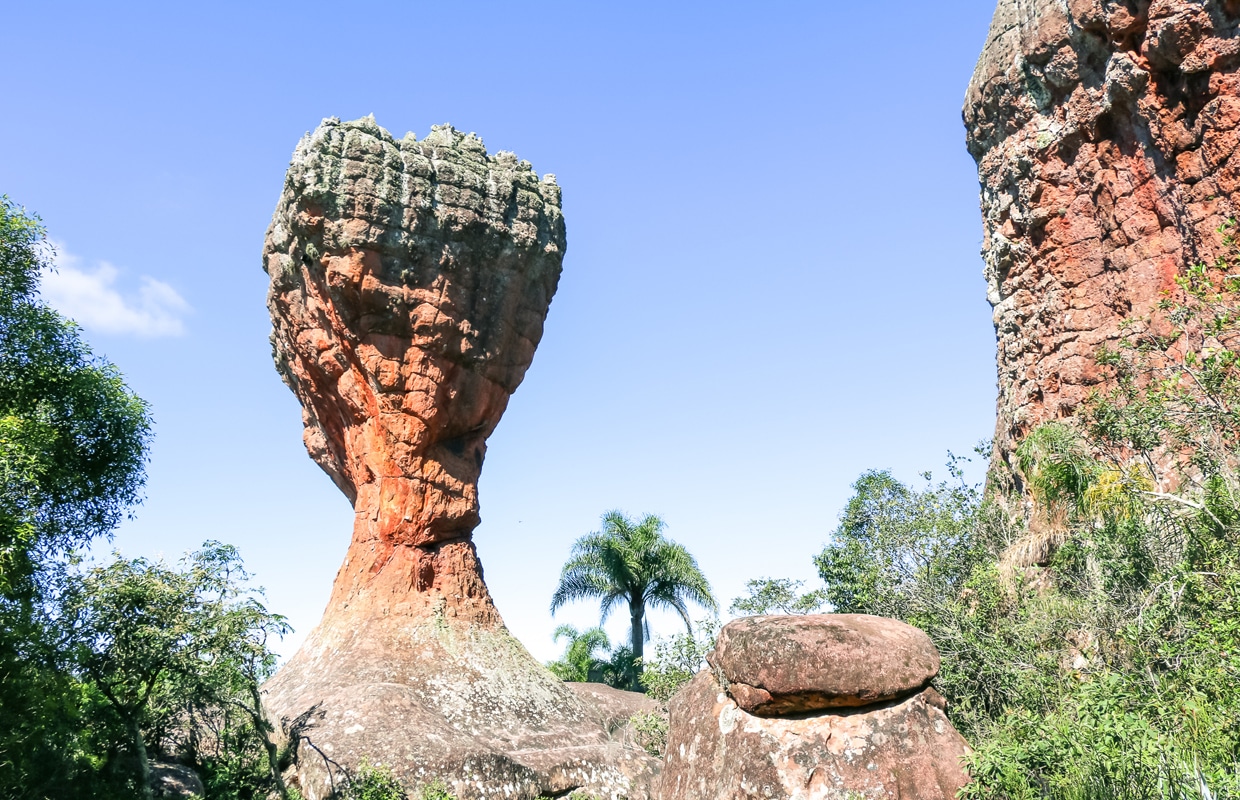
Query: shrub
[1091, 648]
[376, 782]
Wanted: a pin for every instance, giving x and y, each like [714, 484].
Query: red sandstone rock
[781, 665]
[1105, 135]
[409, 285]
[903, 749]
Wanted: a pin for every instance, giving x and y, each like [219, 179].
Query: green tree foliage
[72, 448]
[580, 661]
[631, 562]
[777, 596]
[102, 668]
[177, 657]
[72, 436]
[1091, 649]
[677, 659]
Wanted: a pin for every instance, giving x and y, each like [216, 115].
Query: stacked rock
[817, 706]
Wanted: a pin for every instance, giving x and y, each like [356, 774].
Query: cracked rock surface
[1105, 135]
[409, 283]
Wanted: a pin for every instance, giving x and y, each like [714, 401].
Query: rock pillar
[1105, 135]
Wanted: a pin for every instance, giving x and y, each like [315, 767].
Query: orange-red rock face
[1105, 135]
[409, 284]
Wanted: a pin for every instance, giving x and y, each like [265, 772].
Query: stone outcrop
[845, 712]
[1105, 135]
[819, 661]
[409, 283]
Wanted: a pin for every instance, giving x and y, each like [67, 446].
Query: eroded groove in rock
[409, 285]
[1105, 135]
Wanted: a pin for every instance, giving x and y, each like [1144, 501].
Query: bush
[372, 782]
[677, 659]
[1091, 647]
[650, 728]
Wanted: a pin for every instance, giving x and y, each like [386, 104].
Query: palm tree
[580, 662]
[636, 564]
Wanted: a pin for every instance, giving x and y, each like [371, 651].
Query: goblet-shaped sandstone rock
[409, 285]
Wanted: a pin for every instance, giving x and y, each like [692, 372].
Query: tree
[166, 648]
[894, 541]
[580, 662]
[635, 564]
[777, 596]
[73, 442]
[73, 437]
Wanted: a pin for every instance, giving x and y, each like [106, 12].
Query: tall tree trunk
[144, 763]
[637, 614]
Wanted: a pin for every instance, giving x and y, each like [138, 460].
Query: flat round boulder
[780, 665]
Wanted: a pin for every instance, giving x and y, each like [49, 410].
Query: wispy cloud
[93, 299]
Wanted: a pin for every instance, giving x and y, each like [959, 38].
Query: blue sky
[772, 280]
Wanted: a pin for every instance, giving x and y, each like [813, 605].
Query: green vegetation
[1092, 648]
[371, 782]
[633, 563]
[675, 661]
[581, 661]
[177, 658]
[777, 596]
[105, 668]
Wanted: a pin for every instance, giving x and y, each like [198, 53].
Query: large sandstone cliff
[1105, 134]
[409, 285]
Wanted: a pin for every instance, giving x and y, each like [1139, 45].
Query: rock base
[451, 701]
[902, 749]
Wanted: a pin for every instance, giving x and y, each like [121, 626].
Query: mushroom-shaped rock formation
[788, 665]
[1105, 134]
[409, 285]
[831, 706]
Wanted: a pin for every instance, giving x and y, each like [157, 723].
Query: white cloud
[93, 300]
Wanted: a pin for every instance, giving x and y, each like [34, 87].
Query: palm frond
[632, 561]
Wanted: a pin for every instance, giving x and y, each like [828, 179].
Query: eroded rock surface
[1105, 134]
[792, 664]
[409, 285]
[901, 747]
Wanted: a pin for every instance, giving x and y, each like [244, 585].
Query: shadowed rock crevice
[409, 285]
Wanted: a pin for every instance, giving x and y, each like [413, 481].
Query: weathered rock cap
[780, 665]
